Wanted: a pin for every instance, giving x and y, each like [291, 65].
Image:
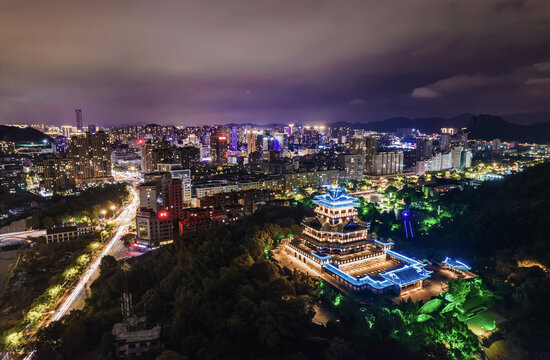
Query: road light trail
[124, 219]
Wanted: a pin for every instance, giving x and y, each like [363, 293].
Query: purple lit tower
[234, 138]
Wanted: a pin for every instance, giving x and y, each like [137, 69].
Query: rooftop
[349, 226]
[406, 275]
[336, 198]
[456, 264]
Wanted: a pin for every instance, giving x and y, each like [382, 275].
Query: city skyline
[190, 63]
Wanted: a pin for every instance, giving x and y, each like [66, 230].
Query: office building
[154, 229]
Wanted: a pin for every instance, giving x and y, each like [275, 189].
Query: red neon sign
[141, 141]
[222, 137]
[163, 214]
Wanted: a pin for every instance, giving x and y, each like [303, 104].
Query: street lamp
[113, 210]
[103, 212]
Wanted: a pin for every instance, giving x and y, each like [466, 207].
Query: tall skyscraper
[78, 118]
[234, 138]
[251, 139]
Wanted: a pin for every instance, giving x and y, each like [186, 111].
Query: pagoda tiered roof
[336, 198]
[348, 226]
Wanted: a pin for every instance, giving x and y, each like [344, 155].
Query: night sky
[212, 62]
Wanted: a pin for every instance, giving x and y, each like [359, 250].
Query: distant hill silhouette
[488, 127]
[15, 134]
[426, 125]
[527, 118]
[485, 127]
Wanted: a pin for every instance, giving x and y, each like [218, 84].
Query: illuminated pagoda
[337, 243]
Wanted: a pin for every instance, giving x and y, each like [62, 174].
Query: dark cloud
[215, 61]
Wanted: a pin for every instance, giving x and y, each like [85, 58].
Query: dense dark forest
[219, 295]
[503, 230]
[86, 206]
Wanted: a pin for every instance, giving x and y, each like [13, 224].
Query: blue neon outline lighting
[365, 280]
[321, 257]
[389, 243]
[336, 198]
[393, 275]
[459, 265]
[403, 258]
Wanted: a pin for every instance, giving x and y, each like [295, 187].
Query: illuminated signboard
[163, 214]
[222, 138]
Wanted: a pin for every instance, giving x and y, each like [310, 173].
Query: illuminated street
[70, 299]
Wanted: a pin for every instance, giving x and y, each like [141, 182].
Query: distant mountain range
[527, 118]
[16, 134]
[487, 127]
[525, 127]
[484, 127]
[426, 125]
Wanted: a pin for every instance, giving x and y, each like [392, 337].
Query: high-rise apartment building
[424, 148]
[92, 157]
[153, 154]
[59, 174]
[386, 163]
[461, 158]
[368, 147]
[353, 166]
